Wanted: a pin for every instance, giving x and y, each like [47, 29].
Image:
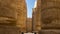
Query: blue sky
[30, 5]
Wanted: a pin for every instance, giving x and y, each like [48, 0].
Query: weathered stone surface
[36, 20]
[50, 13]
[9, 29]
[13, 13]
[29, 24]
[36, 17]
[21, 15]
[8, 11]
[8, 8]
[50, 31]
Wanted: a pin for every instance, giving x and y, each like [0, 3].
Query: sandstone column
[8, 17]
[21, 15]
[29, 24]
[8, 11]
[50, 16]
[36, 19]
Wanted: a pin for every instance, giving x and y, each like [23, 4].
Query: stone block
[9, 30]
[50, 31]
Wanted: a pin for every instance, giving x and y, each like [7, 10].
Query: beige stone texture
[21, 15]
[29, 24]
[13, 13]
[50, 16]
[50, 31]
[50, 13]
[7, 11]
[9, 29]
[36, 20]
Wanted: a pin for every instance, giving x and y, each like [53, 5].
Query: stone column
[50, 16]
[8, 11]
[29, 25]
[36, 18]
[21, 15]
[8, 17]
